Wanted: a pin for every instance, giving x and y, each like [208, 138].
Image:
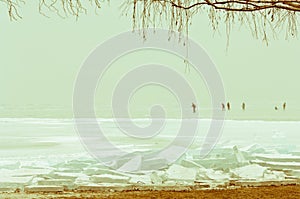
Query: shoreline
[271, 191]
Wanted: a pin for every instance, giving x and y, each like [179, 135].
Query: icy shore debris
[155, 178]
[180, 173]
[42, 188]
[239, 156]
[108, 178]
[226, 165]
[252, 171]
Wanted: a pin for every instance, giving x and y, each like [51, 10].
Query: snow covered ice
[47, 154]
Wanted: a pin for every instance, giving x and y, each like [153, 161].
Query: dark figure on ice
[194, 107]
[243, 106]
[228, 106]
[284, 105]
[276, 108]
[223, 107]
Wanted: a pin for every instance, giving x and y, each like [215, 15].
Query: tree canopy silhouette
[263, 17]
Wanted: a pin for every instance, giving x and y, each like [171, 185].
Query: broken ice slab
[216, 153]
[61, 175]
[212, 162]
[134, 164]
[190, 164]
[22, 172]
[123, 161]
[57, 182]
[277, 157]
[104, 187]
[108, 178]
[72, 166]
[35, 164]
[9, 164]
[219, 163]
[278, 165]
[274, 175]
[31, 172]
[154, 163]
[218, 175]
[68, 170]
[201, 185]
[140, 179]
[99, 171]
[295, 173]
[253, 148]
[180, 173]
[172, 153]
[43, 188]
[155, 178]
[252, 171]
[8, 181]
[239, 156]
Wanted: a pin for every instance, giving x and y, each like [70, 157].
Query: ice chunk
[295, 173]
[104, 187]
[278, 165]
[239, 156]
[133, 164]
[190, 164]
[57, 182]
[35, 164]
[42, 188]
[253, 148]
[61, 175]
[155, 178]
[274, 175]
[252, 171]
[108, 178]
[99, 171]
[154, 163]
[180, 173]
[278, 157]
[171, 154]
[8, 181]
[140, 179]
[217, 175]
[30, 172]
[9, 164]
[82, 180]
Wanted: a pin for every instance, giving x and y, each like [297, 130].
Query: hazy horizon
[40, 62]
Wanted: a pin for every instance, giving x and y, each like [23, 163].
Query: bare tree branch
[262, 17]
[63, 8]
[12, 7]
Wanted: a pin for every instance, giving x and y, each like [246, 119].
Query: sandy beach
[291, 191]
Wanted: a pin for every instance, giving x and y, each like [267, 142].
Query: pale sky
[40, 59]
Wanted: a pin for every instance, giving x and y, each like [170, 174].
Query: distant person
[228, 106]
[284, 105]
[194, 107]
[223, 107]
[276, 108]
[243, 106]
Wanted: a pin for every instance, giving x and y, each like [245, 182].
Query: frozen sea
[33, 150]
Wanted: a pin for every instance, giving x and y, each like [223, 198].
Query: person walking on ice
[223, 107]
[284, 105]
[228, 106]
[194, 107]
[243, 106]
